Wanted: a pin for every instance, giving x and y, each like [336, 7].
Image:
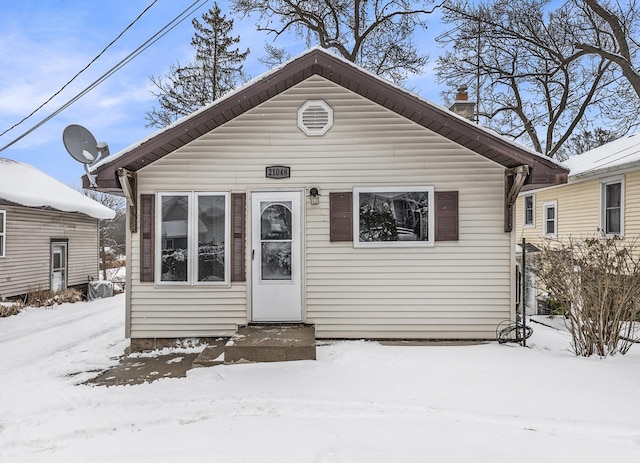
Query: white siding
[26, 265]
[457, 289]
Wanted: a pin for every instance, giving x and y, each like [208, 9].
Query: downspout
[513, 180]
[127, 181]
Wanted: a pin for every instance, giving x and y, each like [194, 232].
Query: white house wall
[459, 289]
[26, 265]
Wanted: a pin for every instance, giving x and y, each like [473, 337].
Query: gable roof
[317, 61]
[25, 185]
[618, 154]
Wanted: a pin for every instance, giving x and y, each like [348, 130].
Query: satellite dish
[82, 146]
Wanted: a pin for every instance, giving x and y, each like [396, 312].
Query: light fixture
[314, 196]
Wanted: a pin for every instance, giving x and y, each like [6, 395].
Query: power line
[157, 36]
[80, 72]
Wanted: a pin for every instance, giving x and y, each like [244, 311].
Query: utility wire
[157, 36]
[80, 72]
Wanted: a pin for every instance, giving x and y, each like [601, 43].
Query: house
[600, 198]
[48, 232]
[319, 193]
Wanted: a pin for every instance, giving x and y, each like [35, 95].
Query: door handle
[253, 254]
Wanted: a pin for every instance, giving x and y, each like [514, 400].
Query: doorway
[58, 265]
[276, 257]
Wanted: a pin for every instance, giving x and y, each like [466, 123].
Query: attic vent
[315, 117]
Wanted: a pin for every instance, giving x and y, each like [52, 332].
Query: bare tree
[610, 30]
[531, 84]
[595, 282]
[112, 231]
[376, 34]
[586, 141]
[275, 56]
[216, 70]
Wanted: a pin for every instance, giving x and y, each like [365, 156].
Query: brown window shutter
[238, 225]
[147, 237]
[446, 216]
[341, 216]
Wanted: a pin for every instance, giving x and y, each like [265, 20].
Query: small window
[193, 236]
[529, 210]
[611, 207]
[550, 219]
[395, 216]
[3, 234]
[315, 117]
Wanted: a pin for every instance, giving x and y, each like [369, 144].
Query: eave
[543, 172]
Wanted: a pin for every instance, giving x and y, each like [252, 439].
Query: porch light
[314, 196]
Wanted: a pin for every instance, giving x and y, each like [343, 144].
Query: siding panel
[457, 289]
[579, 210]
[632, 206]
[26, 265]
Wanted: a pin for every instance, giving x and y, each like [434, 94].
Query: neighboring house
[319, 193]
[48, 232]
[601, 198]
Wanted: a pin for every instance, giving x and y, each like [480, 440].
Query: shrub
[47, 298]
[596, 283]
[10, 308]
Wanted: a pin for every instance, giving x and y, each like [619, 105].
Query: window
[193, 234]
[611, 207]
[3, 234]
[529, 210]
[400, 216]
[550, 219]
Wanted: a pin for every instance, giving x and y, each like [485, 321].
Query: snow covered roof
[25, 185]
[318, 61]
[621, 153]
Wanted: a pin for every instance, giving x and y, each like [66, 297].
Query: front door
[58, 266]
[276, 257]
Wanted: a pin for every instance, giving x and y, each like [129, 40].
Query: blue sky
[44, 43]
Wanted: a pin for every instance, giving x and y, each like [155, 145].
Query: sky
[44, 43]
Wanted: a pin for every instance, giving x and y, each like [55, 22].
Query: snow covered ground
[359, 402]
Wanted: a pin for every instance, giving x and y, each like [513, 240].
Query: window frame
[430, 190]
[533, 210]
[546, 206]
[3, 232]
[192, 239]
[603, 205]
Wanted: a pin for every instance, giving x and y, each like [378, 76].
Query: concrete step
[211, 356]
[271, 343]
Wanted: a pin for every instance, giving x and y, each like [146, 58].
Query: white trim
[547, 205]
[192, 239]
[533, 210]
[388, 244]
[277, 300]
[604, 182]
[63, 269]
[3, 233]
[316, 107]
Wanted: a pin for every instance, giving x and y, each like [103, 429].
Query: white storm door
[58, 266]
[276, 294]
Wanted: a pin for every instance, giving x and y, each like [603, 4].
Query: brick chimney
[462, 106]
